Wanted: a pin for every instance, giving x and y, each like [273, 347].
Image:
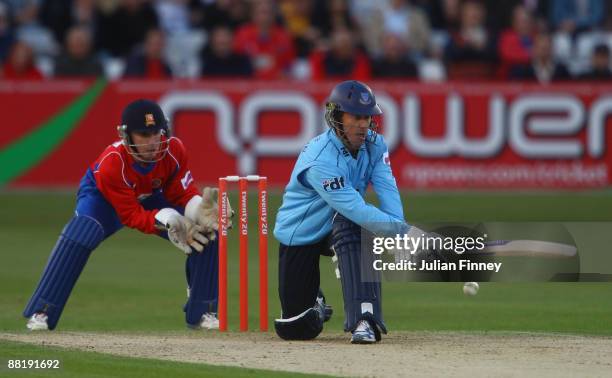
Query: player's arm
[181, 190]
[117, 190]
[384, 185]
[346, 200]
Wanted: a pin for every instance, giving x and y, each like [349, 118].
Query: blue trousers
[95, 220]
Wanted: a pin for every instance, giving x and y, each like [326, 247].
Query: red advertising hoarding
[447, 136]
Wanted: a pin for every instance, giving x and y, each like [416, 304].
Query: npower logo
[533, 125]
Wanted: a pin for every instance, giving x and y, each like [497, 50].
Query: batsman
[323, 207]
[141, 181]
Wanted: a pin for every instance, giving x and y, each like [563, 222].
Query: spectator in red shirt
[148, 61]
[20, 64]
[342, 62]
[515, 44]
[267, 44]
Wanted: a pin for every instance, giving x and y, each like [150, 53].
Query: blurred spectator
[125, 26]
[443, 14]
[28, 28]
[342, 61]
[574, 16]
[606, 24]
[472, 41]
[60, 15]
[20, 63]
[361, 9]
[330, 15]
[401, 18]
[394, 62]
[7, 35]
[500, 13]
[209, 14]
[515, 44]
[297, 15]
[600, 65]
[77, 59]
[148, 61]
[542, 68]
[173, 16]
[219, 59]
[268, 45]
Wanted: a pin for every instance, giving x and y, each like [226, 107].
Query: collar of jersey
[342, 148]
[143, 170]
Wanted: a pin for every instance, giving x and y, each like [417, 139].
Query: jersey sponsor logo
[156, 183]
[187, 179]
[149, 120]
[386, 158]
[335, 183]
[344, 151]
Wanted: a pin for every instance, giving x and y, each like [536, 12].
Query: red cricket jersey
[124, 182]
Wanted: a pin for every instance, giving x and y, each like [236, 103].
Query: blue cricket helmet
[354, 97]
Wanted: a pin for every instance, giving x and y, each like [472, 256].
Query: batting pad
[68, 258]
[362, 300]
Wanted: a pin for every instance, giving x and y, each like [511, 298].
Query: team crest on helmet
[365, 98]
[149, 120]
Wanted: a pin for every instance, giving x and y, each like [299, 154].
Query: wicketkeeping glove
[204, 211]
[182, 232]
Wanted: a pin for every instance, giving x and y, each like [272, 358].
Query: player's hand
[182, 232]
[427, 251]
[431, 251]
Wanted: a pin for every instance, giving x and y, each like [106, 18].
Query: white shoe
[209, 321]
[38, 322]
[363, 334]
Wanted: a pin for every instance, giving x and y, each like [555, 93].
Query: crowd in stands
[435, 40]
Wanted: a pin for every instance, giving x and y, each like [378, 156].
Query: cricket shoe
[208, 321]
[363, 334]
[327, 310]
[38, 322]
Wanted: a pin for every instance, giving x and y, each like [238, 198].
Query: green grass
[74, 363]
[135, 283]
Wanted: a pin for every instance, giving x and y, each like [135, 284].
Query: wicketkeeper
[141, 181]
[323, 206]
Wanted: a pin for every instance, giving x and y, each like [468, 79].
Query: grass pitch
[135, 283]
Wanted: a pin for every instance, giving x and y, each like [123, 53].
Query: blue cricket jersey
[326, 179]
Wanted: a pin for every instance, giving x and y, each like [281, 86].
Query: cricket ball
[470, 288]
